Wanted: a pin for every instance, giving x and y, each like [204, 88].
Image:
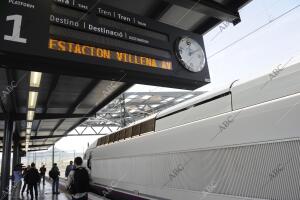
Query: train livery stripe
[118, 193]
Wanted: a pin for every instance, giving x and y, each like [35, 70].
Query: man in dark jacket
[69, 168]
[54, 173]
[43, 172]
[32, 178]
[24, 180]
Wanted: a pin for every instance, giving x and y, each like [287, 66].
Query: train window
[122, 134]
[99, 142]
[136, 130]
[148, 126]
[128, 132]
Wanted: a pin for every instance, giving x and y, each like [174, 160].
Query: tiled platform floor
[45, 193]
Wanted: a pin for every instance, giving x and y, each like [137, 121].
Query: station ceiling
[130, 107]
[64, 102]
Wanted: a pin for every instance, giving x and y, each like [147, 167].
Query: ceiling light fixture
[35, 79]
[32, 99]
[30, 115]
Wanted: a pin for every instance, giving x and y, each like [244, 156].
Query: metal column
[6, 155]
[16, 153]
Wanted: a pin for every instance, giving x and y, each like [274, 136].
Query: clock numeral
[15, 37]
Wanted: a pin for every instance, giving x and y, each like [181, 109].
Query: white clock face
[191, 54]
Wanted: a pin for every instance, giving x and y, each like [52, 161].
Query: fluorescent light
[30, 115]
[29, 125]
[27, 137]
[146, 97]
[28, 131]
[32, 99]
[35, 79]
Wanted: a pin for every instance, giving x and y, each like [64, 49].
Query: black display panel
[86, 38]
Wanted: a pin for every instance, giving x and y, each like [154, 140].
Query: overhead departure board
[87, 38]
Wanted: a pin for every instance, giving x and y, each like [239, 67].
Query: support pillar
[20, 154]
[6, 154]
[16, 153]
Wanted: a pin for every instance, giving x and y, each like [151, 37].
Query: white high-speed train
[241, 142]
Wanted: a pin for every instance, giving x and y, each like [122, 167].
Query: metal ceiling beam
[12, 106]
[11, 77]
[22, 139]
[102, 105]
[89, 88]
[49, 95]
[39, 145]
[47, 116]
[38, 150]
[209, 8]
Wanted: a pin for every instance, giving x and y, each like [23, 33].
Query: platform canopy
[66, 99]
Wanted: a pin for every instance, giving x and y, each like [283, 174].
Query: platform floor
[45, 193]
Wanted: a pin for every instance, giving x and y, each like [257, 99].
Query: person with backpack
[54, 173]
[32, 179]
[25, 184]
[78, 181]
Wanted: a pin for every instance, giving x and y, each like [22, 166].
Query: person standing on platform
[43, 172]
[32, 179]
[69, 168]
[78, 181]
[54, 173]
[17, 174]
[25, 184]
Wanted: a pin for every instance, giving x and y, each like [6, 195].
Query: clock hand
[189, 50]
[190, 59]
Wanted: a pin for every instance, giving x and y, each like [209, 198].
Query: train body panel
[242, 145]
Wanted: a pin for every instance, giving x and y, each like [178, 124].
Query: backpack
[32, 176]
[54, 173]
[80, 182]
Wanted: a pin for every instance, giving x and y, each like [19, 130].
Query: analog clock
[190, 54]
